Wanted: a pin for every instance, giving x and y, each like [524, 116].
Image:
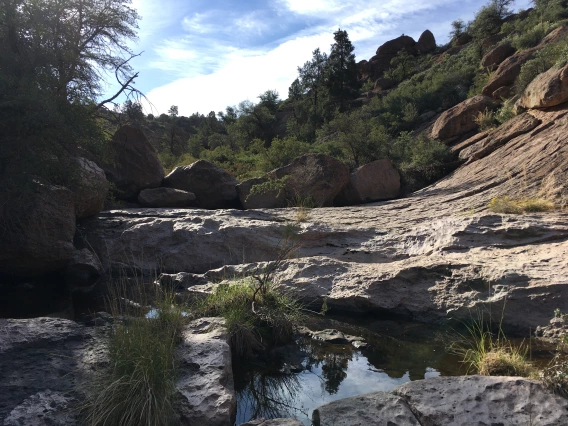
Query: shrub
[485, 120]
[506, 112]
[555, 375]
[531, 37]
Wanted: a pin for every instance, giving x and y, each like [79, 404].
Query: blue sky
[204, 55]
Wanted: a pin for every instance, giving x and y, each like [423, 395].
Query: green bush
[531, 37]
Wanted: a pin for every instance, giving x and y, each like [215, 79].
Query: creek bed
[293, 380]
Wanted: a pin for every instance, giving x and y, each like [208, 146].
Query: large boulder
[497, 55]
[460, 119]
[166, 197]
[547, 89]
[90, 188]
[134, 165]
[426, 43]
[392, 47]
[462, 40]
[481, 400]
[36, 236]
[379, 408]
[213, 187]
[508, 71]
[375, 181]
[312, 178]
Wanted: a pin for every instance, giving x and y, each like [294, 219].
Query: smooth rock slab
[481, 400]
[379, 408]
[165, 197]
[273, 422]
[45, 408]
[205, 389]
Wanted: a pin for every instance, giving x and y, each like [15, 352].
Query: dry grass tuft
[519, 206]
[505, 361]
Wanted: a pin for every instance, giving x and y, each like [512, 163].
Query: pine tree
[342, 78]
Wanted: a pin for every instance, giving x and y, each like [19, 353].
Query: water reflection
[293, 380]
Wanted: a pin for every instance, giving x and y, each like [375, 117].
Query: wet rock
[273, 422]
[482, 400]
[380, 408]
[37, 235]
[166, 197]
[205, 389]
[547, 89]
[135, 165]
[497, 55]
[213, 187]
[375, 181]
[83, 271]
[90, 189]
[460, 119]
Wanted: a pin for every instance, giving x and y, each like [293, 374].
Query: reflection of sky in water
[308, 390]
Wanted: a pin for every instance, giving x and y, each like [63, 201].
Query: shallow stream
[294, 380]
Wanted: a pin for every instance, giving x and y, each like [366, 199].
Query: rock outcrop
[375, 181]
[315, 179]
[460, 119]
[214, 188]
[426, 43]
[547, 89]
[89, 189]
[135, 165]
[37, 233]
[450, 401]
[205, 390]
[508, 71]
[498, 54]
[433, 255]
[166, 197]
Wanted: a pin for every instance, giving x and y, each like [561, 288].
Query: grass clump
[485, 353]
[255, 313]
[138, 387]
[509, 205]
[555, 375]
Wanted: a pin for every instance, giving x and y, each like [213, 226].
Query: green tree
[489, 19]
[342, 79]
[54, 55]
[402, 66]
[458, 29]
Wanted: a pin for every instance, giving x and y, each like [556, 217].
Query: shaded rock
[554, 36]
[460, 119]
[384, 83]
[315, 178]
[508, 71]
[547, 89]
[83, 271]
[213, 187]
[135, 163]
[555, 331]
[492, 40]
[502, 93]
[392, 47]
[166, 197]
[45, 408]
[205, 389]
[469, 141]
[45, 365]
[37, 233]
[426, 43]
[268, 199]
[90, 189]
[462, 40]
[481, 400]
[380, 408]
[497, 55]
[375, 181]
[509, 130]
[273, 422]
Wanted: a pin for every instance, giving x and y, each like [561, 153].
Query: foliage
[532, 37]
[342, 80]
[508, 205]
[485, 119]
[506, 111]
[484, 352]
[489, 19]
[402, 66]
[555, 375]
[138, 387]
[458, 29]
[271, 185]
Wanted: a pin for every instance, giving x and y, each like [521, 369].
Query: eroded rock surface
[206, 394]
[547, 90]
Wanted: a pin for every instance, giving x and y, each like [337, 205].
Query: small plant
[271, 185]
[509, 205]
[486, 120]
[506, 112]
[555, 375]
[486, 353]
[558, 313]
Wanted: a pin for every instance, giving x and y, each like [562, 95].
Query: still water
[293, 380]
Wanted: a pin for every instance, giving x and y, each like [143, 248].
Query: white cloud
[313, 7]
[196, 23]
